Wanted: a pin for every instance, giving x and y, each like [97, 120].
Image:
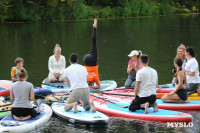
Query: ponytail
[22, 74]
[140, 53]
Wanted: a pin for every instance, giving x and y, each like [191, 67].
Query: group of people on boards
[79, 78]
[145, 81]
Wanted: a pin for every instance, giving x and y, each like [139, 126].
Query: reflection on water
[157, 37]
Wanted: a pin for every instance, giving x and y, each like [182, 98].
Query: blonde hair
[23, 73]
[57, 46]
[182, 46]
[18, 60]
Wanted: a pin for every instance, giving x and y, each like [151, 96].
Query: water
[157, 37]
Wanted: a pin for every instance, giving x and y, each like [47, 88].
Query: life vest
[93, 74]
[16, 72]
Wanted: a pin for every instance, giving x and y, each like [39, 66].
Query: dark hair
[179, 62]
[144, 58]
[191, 51]
[22, 73]
[140, 53]
[18, 60]
[73, 58]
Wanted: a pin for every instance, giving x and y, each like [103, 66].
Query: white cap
[134, 52]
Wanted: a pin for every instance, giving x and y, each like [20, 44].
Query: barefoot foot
[155, 107]
[146, 108]
[93, 108]
[75, 107]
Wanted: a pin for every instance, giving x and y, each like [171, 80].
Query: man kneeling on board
[76, 78]
[146, 83]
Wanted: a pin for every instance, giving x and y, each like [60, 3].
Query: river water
[157, 37]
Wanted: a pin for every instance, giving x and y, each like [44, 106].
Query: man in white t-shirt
[76, 78]
[192, 72]
[146, 83]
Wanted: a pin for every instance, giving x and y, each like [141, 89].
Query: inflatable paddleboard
[8, 124]
[63, 88]
[4, 109]
[192, 105]
[83, 117]
[5, 86]
[119, 107]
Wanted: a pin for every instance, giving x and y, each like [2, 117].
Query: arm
[50, 65]
[129, 69]
[180, 83]
[67, 82]
[63, 65]
[13, 72]
[97, 86]
[94, 50]
[137, 88]
[32, 96]
[190, 73]
[11, 96]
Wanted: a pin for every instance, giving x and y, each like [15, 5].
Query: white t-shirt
[77, 75]
[55, 66]
[192, 66]
[148, 77]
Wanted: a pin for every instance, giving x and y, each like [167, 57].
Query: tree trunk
[72, 11]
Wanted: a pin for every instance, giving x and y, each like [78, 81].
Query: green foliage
[166, 8]
[4, 10]
[83, 11]
[139, 7]
[60, 10]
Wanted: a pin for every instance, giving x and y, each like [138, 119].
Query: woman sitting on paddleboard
[192, 72]
[22, 93]
[180, 92]
[56, 66]
[180, 53]
[90, 61]
[133, 67]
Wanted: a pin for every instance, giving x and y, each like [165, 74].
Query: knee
[87, 107]
[132, 108]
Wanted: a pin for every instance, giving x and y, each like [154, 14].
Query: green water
[157, 37]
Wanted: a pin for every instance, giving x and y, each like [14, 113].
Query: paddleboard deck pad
[82, 117]
[8, 124]
[102, 104]
[63, 88]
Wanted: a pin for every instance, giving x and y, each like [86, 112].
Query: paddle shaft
[59, 85]
[110, 100]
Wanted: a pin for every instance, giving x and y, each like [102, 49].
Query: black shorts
[135, 105]
[23, 112]
[182, 94]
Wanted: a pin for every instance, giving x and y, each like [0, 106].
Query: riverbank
[66, 10]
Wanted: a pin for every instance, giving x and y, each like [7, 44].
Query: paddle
[59, 85]
[110, 100]
[97, 91]
[6, 104]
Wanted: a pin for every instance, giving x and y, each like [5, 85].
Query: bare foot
[95, 23]
[155, 107]
[26, 118]
[16, 118]
[184, 101]
[93, 108]
[146, 107]
[75, 107]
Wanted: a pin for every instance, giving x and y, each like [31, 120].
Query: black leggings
[91, 59]
[135, 105]
[23, 112]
